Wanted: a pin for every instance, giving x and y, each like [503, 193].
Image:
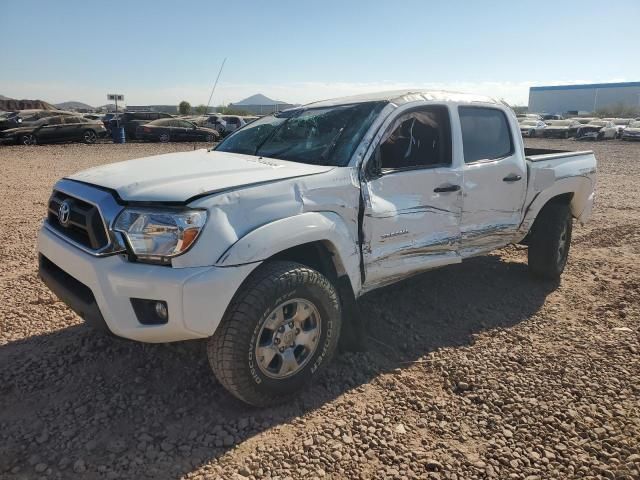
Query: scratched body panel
[408, 227]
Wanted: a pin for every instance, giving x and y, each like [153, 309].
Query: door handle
[512, 178]
[447, 188]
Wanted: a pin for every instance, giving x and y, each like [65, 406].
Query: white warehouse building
[584, 98]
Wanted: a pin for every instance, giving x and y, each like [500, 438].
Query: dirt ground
[473, 371]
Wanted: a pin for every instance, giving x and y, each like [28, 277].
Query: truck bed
[540, 154]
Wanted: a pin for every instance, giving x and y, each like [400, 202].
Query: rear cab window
[486, 134]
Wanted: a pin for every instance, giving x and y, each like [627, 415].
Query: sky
[162, 52]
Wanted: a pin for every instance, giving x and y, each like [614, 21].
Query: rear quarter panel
[554, 175]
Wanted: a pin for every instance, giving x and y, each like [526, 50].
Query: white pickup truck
[264, 243]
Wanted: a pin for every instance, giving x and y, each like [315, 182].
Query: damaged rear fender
[327, 227]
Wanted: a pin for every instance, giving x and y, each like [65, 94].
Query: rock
[433, 465]
[79, 466]
[40, 467]
[463, 386]
[400, 429]
[116, 446]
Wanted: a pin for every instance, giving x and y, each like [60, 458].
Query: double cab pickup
[263, 244]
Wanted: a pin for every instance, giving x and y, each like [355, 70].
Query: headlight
[158, 235]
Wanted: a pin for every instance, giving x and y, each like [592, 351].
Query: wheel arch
[320, 240]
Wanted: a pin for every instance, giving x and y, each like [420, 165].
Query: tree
[201, 109]
[225, 110]
[184, 108]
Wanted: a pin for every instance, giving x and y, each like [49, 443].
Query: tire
[27, 139]
[532, 133]
[164, 138]
[89, 137]
[210, 138]
[550, 241]
[251, 325]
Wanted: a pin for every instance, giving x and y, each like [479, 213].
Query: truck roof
[404, 96]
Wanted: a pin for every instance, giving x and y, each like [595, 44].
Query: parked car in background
[214, 122]
[561, 128]
[175, 130]
[234, 122]
[621, 124]
[532, 128]
[632, 132]
[528, 116]
[250, 119]
[62, 128]
[130, 121]
[29, 117]
[584, 120]
[549, 116]
[597, 130]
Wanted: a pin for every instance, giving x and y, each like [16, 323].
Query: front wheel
[89, 137]
[280, 330]
[27, 139]
[164, 138]
[550, 240]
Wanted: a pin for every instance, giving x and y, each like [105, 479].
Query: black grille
[85, 224]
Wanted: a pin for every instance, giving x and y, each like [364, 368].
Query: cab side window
[417, 139]
[485, 134]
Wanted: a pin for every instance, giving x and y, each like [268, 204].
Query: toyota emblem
[64, 213]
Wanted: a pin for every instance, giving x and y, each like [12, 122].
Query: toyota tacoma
[263, 244]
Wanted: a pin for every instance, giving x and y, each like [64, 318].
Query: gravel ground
[473, 371]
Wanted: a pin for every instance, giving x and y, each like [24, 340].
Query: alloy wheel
[288, 338]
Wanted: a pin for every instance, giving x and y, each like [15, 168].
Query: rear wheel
[550, 240]
[27, 139]
[210, 138]
[280, 330]
[89, 136]
[164, 138]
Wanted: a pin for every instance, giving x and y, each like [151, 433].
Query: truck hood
[180, 176]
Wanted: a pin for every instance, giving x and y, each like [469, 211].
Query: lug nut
[281, 329]
[281, 349]
[290, 324]
[276, 341]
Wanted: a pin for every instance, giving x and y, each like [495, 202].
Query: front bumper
[100, 290]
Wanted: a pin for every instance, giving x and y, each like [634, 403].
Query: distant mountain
[258, 99]
[2, 97]
[73, 105]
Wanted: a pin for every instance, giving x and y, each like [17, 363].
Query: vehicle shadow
[157, 411]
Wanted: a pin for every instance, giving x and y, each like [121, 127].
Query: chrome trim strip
[108, 208]
[103, 252]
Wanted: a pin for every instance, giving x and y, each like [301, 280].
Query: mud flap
[353, 334]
